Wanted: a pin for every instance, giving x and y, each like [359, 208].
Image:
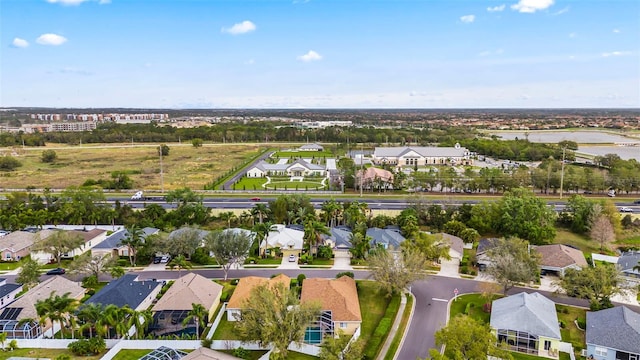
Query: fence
[217, 320]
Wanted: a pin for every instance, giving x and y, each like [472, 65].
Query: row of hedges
[382, 330]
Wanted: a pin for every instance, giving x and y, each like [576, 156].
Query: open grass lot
[470, 304]
[247, 183]
[184, 166]
[581, 242]
[49, 354]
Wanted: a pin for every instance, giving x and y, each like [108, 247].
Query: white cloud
[573, 35]
[531, 6]
[561, 11]
[467, 18]
[616, 53]
[240, 28]
[489, 52]
[19, 43]
[310, 56]
[250, 62]
[66, 2]
[616, 31]
[103, 2]
[51, 39]
[496, 8]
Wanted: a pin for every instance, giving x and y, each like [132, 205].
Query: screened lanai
[16, 329]
[164, 353]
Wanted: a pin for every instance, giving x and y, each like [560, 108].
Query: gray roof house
[387, 238]
[125, 290]
[8, 292]
[627, 261]
[311, 147]
[421, 155]
[527, 323]
[340, 238]
[484, 245]
[113, 243]
[613, 334]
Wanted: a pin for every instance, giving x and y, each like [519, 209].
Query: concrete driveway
[342, 260]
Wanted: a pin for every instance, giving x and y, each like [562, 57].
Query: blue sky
[320, 53]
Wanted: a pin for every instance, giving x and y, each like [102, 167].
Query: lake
[579, 136]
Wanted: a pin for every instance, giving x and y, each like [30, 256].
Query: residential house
[613, 334]
[422, 155]
[289, 241]
[311, 147]
[339, 305]
[174, 305]
[456, 246]
[627, 262]
[113, 243]
[374, 178]
[17, 244]
[165, 353]
[299, 167]
[125, 290]
[243, 292]
[387, 238]
[8, 292]
[557, 258]
[340, 238]
[24, 308]
[90, 238]
[528, 323]
[482, 257]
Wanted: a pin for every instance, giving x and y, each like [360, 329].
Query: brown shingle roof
[560, 256]
[208, 354]
[190, 288]
[246, 284]
[338, 295]
[19, 240]
[90, 234]
[42, 291]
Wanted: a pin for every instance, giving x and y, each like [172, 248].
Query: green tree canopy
[520, 213]
[597, 284]
[228, 247]
[512, 263]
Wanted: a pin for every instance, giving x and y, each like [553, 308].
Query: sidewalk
[394, 328]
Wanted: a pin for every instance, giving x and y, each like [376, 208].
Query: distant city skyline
[320, 54]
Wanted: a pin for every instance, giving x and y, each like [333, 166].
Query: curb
[404, 333]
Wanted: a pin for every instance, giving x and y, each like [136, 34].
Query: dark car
[637, 202]
[255, 199]
[157, 259]
[56, 271]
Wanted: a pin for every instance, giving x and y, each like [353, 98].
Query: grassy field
[294, 185]
[303, 154]
[581, 242]
[184, 166]
[470, 304]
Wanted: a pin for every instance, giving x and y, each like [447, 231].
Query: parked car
[157, 259]
[292, 258]
[56, 271]
[625, 209]
[255, 199]
[165, 259]
[637, 202]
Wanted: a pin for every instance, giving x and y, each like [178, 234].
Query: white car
[292, 258]
[137, 196]
[626, 209]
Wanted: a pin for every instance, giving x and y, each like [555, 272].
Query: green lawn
[378, 312]
[570, 333]
[303, 154]
[131, 354]
[470, 304]
[224, 331]
[581, 242]
[9, 265]
[251, 355]
[294, 185]
[47, 353]
[247, 183]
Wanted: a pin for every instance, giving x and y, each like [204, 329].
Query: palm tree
[313, 231]
[3, 338]
[261, 210]
[108, 319]
[133, 241]
[140, 320]
[89, 315]
[227, 216]
[198, 314]
[55, 308]
[179, 262]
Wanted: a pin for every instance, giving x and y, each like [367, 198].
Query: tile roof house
[125, 290]
[387, 238]
[188, 289]
[627, 261]
[613, 334]
[558, 258]
[339, 304]
[527, 323]
[370, 177]
[421, 155]
[290, 241]
[17, 244]
[90, 238]
[204, 353]
[8, 292]
[113, 243]
[243, 292]
[24, 306]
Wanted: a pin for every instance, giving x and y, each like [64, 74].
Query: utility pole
[161, 172]
[562, 171]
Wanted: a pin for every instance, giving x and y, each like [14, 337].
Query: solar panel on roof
[10, 313]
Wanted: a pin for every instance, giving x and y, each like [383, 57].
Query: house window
[343, 325]
[634, 356]
[600, 351]
[547, 344]
[8, 255]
